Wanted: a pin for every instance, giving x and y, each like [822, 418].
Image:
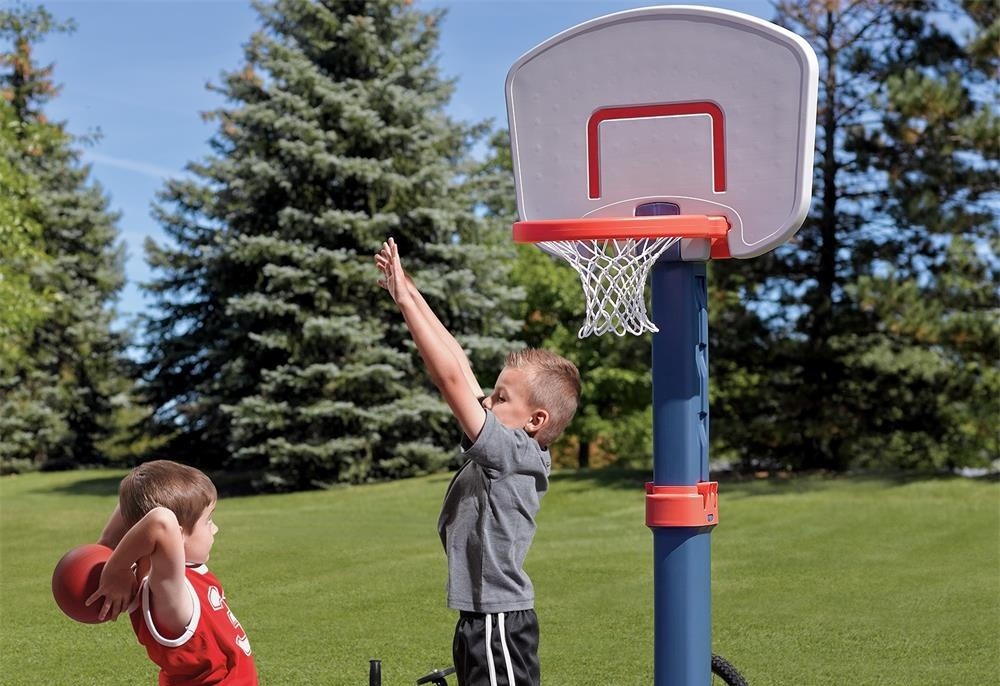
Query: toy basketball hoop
[708, 111]
[644, 144]
[613, 256]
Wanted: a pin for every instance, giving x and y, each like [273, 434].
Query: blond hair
[184, 490]
[554, 383]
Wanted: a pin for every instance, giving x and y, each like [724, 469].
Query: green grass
[815, 581]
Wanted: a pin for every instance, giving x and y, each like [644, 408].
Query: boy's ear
[539, 418]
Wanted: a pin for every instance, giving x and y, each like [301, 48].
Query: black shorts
[512, 657]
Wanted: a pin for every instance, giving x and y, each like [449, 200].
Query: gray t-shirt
[487, 520]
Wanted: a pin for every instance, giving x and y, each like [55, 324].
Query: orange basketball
[77, 575]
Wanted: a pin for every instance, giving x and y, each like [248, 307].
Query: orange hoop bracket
[604, 228]
[696, 505]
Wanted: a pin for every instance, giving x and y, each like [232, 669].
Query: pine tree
[849, 364]
[277, 356]
[56, 402]
[933, 295]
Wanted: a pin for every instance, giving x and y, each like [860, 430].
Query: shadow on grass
[730, 484]
[786, 483]
[749, 485]
[606, 477]
[228, 485]
[98, 485]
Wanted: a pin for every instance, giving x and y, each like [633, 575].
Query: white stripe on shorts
[506, 652]
[489, 650]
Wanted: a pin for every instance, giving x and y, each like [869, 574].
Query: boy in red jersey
[163, 525]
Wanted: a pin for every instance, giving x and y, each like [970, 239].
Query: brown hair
[555, 387]
[184, 490]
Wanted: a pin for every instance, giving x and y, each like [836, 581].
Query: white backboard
[710, 109]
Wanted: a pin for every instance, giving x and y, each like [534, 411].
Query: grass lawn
[815, 581]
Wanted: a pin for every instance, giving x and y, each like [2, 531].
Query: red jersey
[213, 650]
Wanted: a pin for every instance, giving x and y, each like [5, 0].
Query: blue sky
[136, 72]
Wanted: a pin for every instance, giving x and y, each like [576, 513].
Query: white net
[613, 273]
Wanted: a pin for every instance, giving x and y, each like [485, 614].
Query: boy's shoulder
[503, 449]
[494, 432]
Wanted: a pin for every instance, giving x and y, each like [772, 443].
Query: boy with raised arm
[487, 520]
[163, 525]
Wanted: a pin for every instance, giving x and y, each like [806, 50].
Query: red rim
[604, 228]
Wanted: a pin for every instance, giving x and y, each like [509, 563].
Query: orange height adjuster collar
[696, 505]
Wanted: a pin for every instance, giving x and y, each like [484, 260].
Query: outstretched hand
[394, 278]
[118, 588]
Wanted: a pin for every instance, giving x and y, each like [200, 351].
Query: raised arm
[445, 337]
[157, 536]
[444, 358]
[113, 530]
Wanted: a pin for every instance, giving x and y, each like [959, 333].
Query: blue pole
[681, 554]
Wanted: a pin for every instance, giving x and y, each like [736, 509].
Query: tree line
[270, 357]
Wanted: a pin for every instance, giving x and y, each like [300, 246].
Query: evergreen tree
[276, 355]
[56, 401]
[933, 297]
[856, 338]
[20, 244]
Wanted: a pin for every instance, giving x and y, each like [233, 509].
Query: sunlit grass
[815, 581]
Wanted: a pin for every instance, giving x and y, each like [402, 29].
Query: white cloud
[143, 168]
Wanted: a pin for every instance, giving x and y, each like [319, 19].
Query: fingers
[110, 609]
[387, 261]
[386, 270]
[387, 258]
[389, 250]
[383, 257]
[105, 607]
